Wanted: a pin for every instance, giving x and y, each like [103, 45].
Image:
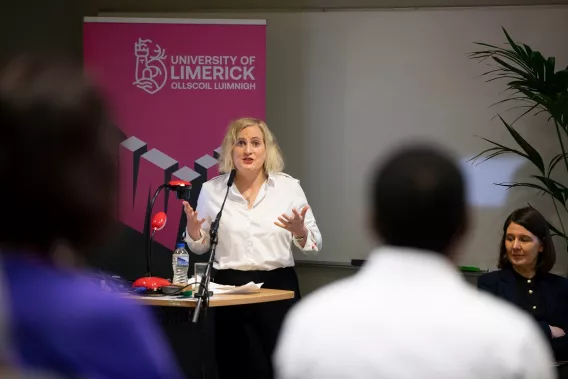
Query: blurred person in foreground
[409, 313]
[526, 256]
[58, 169]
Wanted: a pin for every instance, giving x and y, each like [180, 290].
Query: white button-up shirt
[409, 314]
[248, 238]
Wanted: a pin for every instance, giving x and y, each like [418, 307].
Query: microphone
[215, 224]
[232, 177]
[159, 221]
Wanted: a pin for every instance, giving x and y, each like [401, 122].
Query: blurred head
[526, 242]
[250, 147]
[418, 200]
[57, 157]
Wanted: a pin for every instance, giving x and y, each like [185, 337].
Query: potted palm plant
[534, 86]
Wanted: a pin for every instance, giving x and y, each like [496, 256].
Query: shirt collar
[523, 279]
[271, 178]
[409, 264]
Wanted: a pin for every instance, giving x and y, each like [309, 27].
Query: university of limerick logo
[151, 73]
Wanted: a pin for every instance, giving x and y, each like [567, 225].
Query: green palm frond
[555, 189]
[534, 86]
[530, 74]
[553, 229]
[528, 151]
[554, 161]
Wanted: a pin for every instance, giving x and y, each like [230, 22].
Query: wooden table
[263, 295]
[175, 314]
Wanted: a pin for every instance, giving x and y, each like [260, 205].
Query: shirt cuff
[310, 245]
[190, 242]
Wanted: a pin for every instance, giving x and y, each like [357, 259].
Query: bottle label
[182, 261]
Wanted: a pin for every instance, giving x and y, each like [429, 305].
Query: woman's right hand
[193, 223]
[556, 332]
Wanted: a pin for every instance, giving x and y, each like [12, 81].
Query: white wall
[346, 87]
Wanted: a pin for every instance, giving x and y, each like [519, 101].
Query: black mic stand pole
[203, 293]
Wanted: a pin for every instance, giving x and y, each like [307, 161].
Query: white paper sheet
[250, 287]
[221, 289]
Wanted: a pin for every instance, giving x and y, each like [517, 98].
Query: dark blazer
[554, 290]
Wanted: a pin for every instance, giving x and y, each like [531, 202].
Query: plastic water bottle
[180, 264]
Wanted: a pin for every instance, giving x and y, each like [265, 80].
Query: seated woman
[526, 256]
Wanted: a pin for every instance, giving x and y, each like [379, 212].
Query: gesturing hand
[556, 332]
[295, 222]
[193, 223]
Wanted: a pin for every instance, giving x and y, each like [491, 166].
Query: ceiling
[248, 5]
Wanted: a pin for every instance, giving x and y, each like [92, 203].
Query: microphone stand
[203, 294]
[147, 230]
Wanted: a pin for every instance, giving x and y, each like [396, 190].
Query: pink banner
[174, 85]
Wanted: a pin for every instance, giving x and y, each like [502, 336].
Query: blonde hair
[274, 161]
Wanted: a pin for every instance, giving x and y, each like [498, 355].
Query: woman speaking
[265, 213]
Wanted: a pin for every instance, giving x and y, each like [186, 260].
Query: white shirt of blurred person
[265, 213]
[409, 313]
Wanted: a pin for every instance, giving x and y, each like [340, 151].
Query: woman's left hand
[295, 222]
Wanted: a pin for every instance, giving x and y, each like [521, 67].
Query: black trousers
[562, 371]
[246, 335]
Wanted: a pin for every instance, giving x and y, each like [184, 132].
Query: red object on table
[152, 283]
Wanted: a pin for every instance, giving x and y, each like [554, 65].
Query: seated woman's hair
[58, 156]
[530, 219]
